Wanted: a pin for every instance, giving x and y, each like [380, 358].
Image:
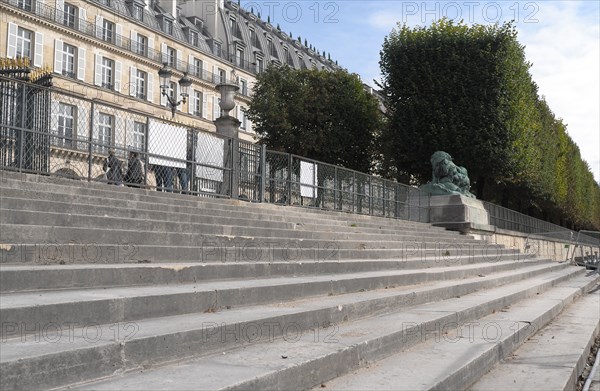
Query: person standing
[113, 169]
[135, 172]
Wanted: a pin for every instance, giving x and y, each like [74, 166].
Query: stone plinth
[460, 213]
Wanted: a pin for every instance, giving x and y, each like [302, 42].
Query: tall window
[194, 39]
[107, 67]
[139, 136]
[171, 56]
[24, 42]
[66, 124]
[142, 45]
[197, 102]
[239, 59]
[138, 12]
[198, 67]
[25, 4]
[108, 31]
[168, 26]
[243, 87]
[242, 117]
[69, 12]
[140, 84]
[217, 49]
[259, 65]
[68, 60]
[105, 132]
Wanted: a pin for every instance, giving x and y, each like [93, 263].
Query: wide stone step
[554, 357]
[125, 304]
[54, 359]
[300, 360]
[59, 249]
[81, 192]
[202, 225]
[39, 277]
[19, 209]
[455, 358]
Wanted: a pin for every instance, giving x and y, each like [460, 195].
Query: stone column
[229, 126]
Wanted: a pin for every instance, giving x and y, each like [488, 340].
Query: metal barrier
[48, 131]
[509, 219]
[587, 250]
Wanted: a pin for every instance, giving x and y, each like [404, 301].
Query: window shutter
[248, 125]
[60, 8]
[192, 101]
[134, 44]
[163, 99]
[132, 81]
[119, 29]
[163, 51]
[150, 87]
[190, 65]
[99, 21]
[54, 116]
[11, 46]
[214, 75]
[81, 63]
[178, 59]
[216, 108]
[129, 124]
[58, 55]
[204, 106]
[98, 70]
[150, 46]
[118, 76]
[38, 59]
[177, 97]
[83, 124]
[82, 23]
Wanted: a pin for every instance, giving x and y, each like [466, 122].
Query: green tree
[452, 87]
[326, 116]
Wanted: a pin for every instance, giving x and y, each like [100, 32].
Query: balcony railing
[52, 14]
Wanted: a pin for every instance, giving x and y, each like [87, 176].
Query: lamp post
[185, 82]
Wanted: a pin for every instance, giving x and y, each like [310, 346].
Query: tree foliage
[327, 116]
[468, 91]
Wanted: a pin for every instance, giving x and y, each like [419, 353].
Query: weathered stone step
[55, 360]
[74, 230]
[81, 192]
[218, 226]
[304, 360]
[177, 204]
[126, 304]
[39, 277]
[554, 357]
[17, 208]
[455, 358]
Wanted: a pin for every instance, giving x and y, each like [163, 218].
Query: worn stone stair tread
[36, 299]
[14, 348]
[456, 360]
[553, 358]
[281, 364]
[24, 278]
[129, 197]
[100, 207]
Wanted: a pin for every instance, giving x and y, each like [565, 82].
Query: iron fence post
[22, 125]
[90, 140]
[263, 172]
[289, 179]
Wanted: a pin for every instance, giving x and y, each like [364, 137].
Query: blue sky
[561, 38]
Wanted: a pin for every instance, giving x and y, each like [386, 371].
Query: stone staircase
[104, 287]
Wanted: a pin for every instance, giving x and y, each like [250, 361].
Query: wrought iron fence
[48, 131]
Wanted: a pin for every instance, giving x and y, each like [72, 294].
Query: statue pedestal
[459, 213]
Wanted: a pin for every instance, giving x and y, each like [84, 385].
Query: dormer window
[138, 12]
[194, 38]
[168, 26]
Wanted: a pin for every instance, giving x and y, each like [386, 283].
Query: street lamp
[185, 82]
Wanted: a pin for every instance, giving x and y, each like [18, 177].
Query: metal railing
[55, 15]
[52, 132]
[47, 131]
[511, 220]
[587, 250]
